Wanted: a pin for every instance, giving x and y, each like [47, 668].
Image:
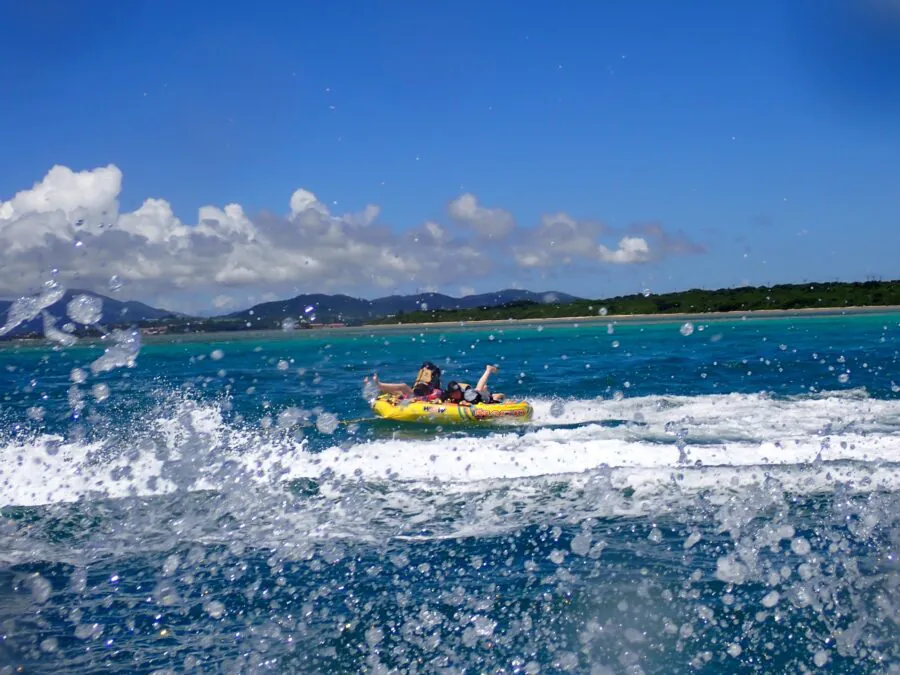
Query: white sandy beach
[651, 318]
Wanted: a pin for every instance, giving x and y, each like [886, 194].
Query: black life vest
[466, 393]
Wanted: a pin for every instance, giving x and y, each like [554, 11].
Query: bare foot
[491, 369]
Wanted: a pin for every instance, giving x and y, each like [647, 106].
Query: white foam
[747, 417]
[732, 441]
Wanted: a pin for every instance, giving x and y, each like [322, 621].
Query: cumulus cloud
[222, 301]
[70, 222]
[488, 223]
[67, 191]
[563, 240]
[666, 243]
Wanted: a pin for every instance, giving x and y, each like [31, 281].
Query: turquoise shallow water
[721, 497]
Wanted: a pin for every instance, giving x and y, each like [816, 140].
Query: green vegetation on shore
[695, 301]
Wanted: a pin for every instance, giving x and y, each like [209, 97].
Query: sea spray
[176, 531]
[27, 308]
[126, 344]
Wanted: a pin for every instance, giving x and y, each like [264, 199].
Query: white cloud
[64, 190]
[222, 301]
[561, 240]
[490, 223]
[631, 250]
[70, 221]
[303, 200]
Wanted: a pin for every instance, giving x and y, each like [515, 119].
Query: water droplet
[216, 354]
[843, 378]
[123, 352]
[370, 391]
[85, 309]
[646, 292]
[170, 565]
[687, 329]
[603, 311]
[40, 588]
[692, 539]
[77, 375]
[423, 306]
[374, 635]
[326, 423]
[55, 335]
[283, 365]
[800, 546]
[100, 392]
[115, 283]
[86, 631]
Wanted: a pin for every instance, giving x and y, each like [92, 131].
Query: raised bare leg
[482, 382]
[391, 388]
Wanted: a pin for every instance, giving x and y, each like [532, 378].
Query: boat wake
[667, 452]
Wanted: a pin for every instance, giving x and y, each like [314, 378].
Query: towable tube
[393, 407]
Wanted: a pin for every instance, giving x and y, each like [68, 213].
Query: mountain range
[113, 312]
[313, 307]
[343, 308]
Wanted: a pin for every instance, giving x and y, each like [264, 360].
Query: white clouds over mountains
[70, 221]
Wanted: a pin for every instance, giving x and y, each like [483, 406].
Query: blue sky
[764, 139]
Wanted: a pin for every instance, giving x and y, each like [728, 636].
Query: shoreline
[645, 319]
[650, 318]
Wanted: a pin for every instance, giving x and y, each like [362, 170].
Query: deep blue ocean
[717, 497]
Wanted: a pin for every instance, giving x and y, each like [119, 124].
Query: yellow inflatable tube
[392, 407]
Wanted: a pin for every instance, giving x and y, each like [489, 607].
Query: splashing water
[85, 309]
[192, 520]
[123, 352]
[52, 333]
[29, 307]
[115, 283]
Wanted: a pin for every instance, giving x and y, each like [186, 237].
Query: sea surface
[719, 496]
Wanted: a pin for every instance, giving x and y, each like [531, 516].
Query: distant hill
[345, 309]
[695, 301]
[113, 312]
